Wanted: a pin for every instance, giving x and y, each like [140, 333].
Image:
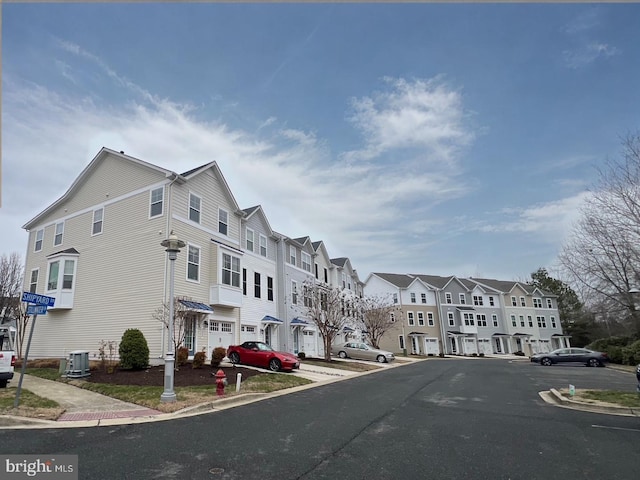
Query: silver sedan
[361, 351]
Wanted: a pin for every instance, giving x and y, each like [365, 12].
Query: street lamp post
[172, 247]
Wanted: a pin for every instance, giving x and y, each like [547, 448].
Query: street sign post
[36, 309]
[38, 299]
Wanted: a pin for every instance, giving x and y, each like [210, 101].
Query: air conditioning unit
[77, 365]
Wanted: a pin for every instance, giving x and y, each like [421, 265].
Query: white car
[361, 351]
[7, 356]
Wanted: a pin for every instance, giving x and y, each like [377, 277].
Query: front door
[267, 334]
[190, 334]
[415, 349]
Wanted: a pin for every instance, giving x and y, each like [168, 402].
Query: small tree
[329, 309]
[180, 315]
[377, 317]
[134, 351]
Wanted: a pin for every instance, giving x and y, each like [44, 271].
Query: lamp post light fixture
[172, 246]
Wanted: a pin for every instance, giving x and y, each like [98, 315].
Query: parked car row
[588, 357]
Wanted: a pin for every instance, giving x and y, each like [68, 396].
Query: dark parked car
[571, 355]
[259, 354]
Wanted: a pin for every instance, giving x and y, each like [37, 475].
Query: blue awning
[348, 329]
[272, 320]
[298, 322]
[197, 306]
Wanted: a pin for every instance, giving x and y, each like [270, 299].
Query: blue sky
[412, 138]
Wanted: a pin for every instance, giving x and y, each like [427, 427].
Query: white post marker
[238, 380]
[572, 390]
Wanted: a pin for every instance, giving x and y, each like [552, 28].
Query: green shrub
[198, 359]
[217, 355]
[631, 354]
[519, 353]
[474, 354]
[302, 355]
[133, 350]
[481, 354]
[602, 344]
[182, 356]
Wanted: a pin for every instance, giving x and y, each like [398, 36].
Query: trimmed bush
[481, 354]
[198, 359]
[133, 350]
[631, 353]
[614, 354]
[519, 353]
[182, 356]
[302, 355]
[217, 355]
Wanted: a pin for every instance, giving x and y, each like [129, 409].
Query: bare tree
[330, 309]
[180, 315]
[11, 277]
[378, 314]
[22, 324]
[602, 255]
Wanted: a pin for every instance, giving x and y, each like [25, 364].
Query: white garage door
[431, 346]
[220, 334]
[484, 345]
[470, 346]
[248, 333]
[310, 346]
[545, 346]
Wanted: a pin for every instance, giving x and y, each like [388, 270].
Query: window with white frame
[294, 292]
[263, 245]
[401, 342]
[223, 221]
[430, 319]
[491, 302]
[423, 297]
[530, 320]
[225, 327]
[522, 321]
[230, 270]
[326, 275]
[542, 323]
[96, 227]
[54, 273]
[553, 321]
[421, 319]
[395, 298]
[344, 280]
[306, 261]
[57, 239]
[514, 323]
[463, 299]
[514, 302]
[195, 204]
[61, 274]
[193, 263]
[537, 303]
[477, 300]
[244, 281]
[452, 320]
[257, 285]
[549, 303]
[292, 255]
[448, 298]
[413, 297]
[250, 239]
[270, 289]
[410, 319]
[468, 319]
[523, 303]
[37, 246]
[156, 202]
[494, 319]
[33, 281]
[481, 318]
[68, 274]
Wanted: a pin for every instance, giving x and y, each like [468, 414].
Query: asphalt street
[438, 419]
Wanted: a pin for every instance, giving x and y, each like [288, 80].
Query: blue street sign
[36, 309]
[38, 299]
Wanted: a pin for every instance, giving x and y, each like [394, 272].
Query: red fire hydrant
[221, 382]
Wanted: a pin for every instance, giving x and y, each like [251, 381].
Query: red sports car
[259, 354]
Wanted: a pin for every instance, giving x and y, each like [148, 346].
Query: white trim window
[523, 302]
[530, 320]
[463, 299]
[477, 300]
[57, 239]
[413, 297]
[230, 270]
[491, 302]
[223, 221]
[553, 321]
[514, 301]
[448, 298]
[522, 324]
[452, 321]
[263, 245]
[468, 319]
[37, 245]
[481, 319]
[395, 298]
[257, 284]
[423, 297]
[250, 239]
[193, 264]
[33, 281]
[494, 318]
[306, 261]
[430, 319]
[61, 278]
[421, 319]
[401, 342]
[542, 322]
[537, 303]
[410, 319]
[549, 303]
[156, 202]
[514, 322]
[98, 216]
[292, 255]
[294, 292]
[270, 289]
[195, 207]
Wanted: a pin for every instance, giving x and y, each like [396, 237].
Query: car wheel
[342, 354]
[546, 362]
[274, 365]
[381, 359]
[3, 383]
[593, 362]
[234, 358]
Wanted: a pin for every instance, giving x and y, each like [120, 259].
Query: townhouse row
[97, 251]
[466, 316]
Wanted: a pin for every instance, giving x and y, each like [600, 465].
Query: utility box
[77, 365]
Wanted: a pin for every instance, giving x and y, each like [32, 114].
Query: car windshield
[264, 347]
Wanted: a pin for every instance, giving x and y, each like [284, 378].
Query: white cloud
[588, 54]
[585, 50]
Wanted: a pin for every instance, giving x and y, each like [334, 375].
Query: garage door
[431, 346]
[310, 344]
[470, 346]
[545, 346]
[484, 346]
[220, 334]
[248, 333]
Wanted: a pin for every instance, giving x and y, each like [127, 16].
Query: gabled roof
[68, 251]
[304, 241]
[257, 209]
[225, 186]
[340, 262]
[499, 285]
[86, 173]
[472, 284]
[433, 280]
[399, 280]
[320, 248]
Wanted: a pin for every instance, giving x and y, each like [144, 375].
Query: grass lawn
[341, 364]
[30, 405]
[623, 399]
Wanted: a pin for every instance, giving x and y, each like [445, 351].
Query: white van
[7, 356]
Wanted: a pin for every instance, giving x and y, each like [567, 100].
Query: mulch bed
[184, 377]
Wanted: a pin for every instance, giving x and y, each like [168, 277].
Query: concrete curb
[554, 397]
